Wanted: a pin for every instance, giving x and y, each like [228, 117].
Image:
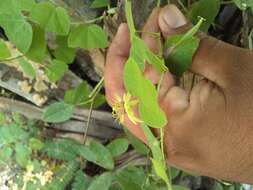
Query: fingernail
[173, 17]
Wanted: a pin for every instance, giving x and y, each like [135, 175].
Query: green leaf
[179, 187]
[5, 155]
[87, 154]
[63, 176]
[88, 37]
[180, 59]
[22, 154]
[56, 70]
[158, 161]
[17, 29]
[37, 51]
[138, 145]
[81, 181]
[160, 170]
[9, 6]
[3, 118]
[58, 112]
[174, 172]
[118, 146]
[99, 3]
[207, 9]
[142, 88]
[101, 182]
[141, 53]
[181, 50]
[62, 149]
[63, 52]
[12, 133]
[131, 178]
[35, 144]
[77, 95]
[153, 144]
[25, 5]
[103, 155]
[4, 51]
[27, 68]
[80, 96]
[52, 19]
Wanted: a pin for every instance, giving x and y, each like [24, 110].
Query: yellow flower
[127, 106]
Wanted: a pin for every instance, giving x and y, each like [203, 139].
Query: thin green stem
[129, 17]
[12, 59]
[160, 82]
[158, 3]
[84, 103]
[93, 96]
[162, 142]
[88, 121]
[95, 20]
[182, 5]
[97, 87]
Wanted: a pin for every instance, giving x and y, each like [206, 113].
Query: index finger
[116, 58]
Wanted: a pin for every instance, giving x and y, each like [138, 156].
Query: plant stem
[93, 96]
[12, 59]
[95, 19]
[97, 87]
[160, 82]
[88, 121]
[158, 3]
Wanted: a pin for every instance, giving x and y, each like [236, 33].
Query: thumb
[213, 58]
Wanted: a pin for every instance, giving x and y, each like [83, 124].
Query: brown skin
[210, 129]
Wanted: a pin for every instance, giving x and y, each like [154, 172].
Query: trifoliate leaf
[56, 70]
[58, 112]
[88, 37]
[118, 146]
[17, 29]
[52, 19]
[4, 51]
[99, 3]
[207, 9]
[37, 51]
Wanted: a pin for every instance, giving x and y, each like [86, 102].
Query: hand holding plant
[209, 128]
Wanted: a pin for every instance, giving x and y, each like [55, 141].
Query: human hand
[209, 129]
